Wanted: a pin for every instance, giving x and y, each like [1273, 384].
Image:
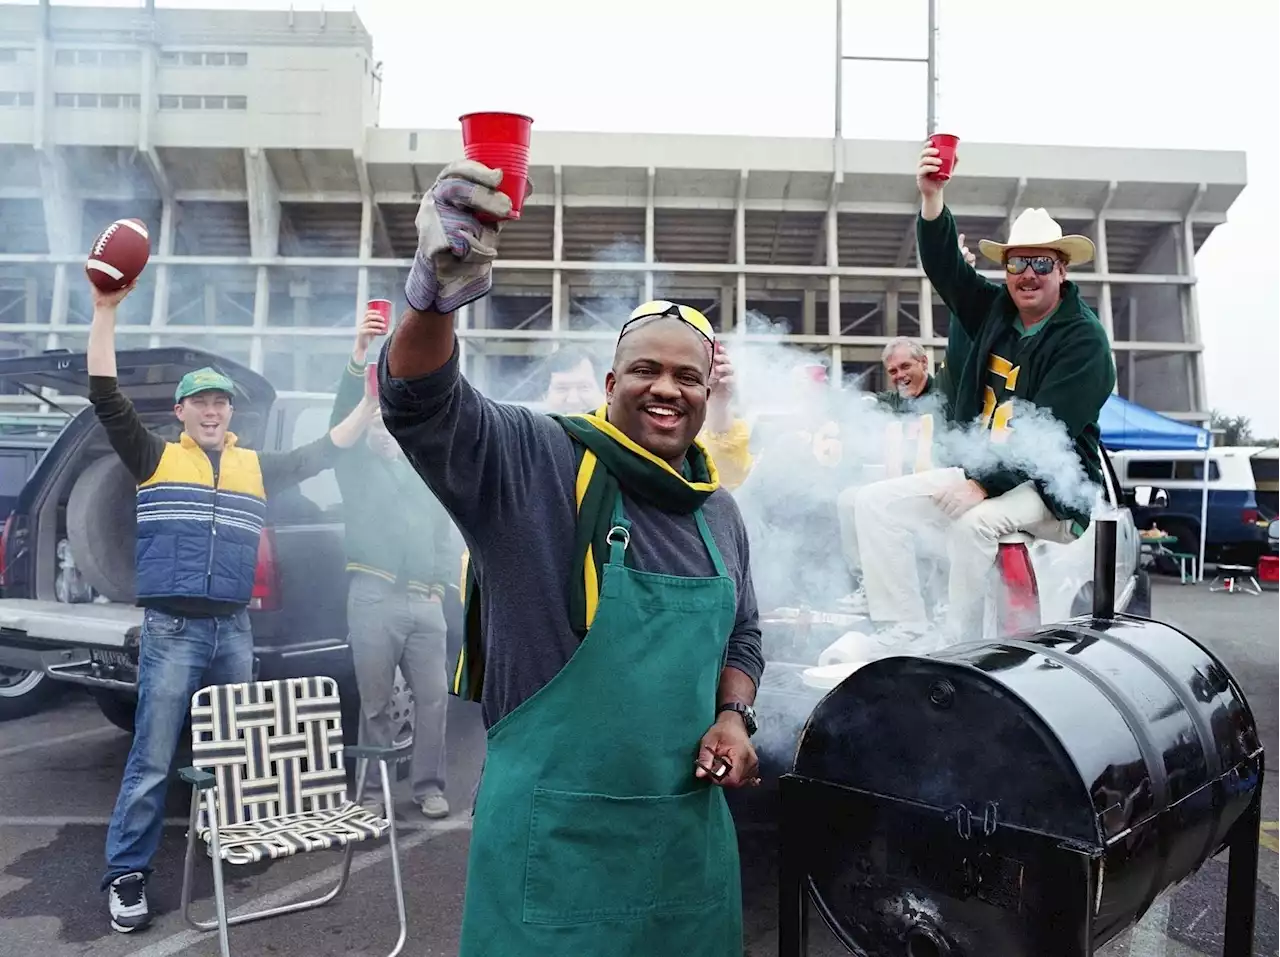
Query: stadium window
[132, 101]
[8, 56]
[168, 58]
[193, 59]
[191, 102]
[109, 101]
[26, 98]
[237, 103]
[64, 58]
[215, 59]
[215, 102]
[168, 102]
[64, 99]
[237, 59]
[8, 99]
[87, 101]
[87, 58]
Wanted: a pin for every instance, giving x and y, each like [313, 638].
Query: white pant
[897, 518]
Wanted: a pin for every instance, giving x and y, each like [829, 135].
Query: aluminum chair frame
[204, 795]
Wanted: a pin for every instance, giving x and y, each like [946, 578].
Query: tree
[1235, 430]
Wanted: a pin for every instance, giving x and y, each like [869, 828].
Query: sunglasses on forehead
[661, 308]
[1040, 265]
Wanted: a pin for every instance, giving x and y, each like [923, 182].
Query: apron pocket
[593, 857]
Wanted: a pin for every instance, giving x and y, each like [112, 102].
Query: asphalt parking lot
[61, 770]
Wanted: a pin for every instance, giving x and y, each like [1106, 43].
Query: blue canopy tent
[1127, 425]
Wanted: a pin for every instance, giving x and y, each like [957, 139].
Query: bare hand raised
[371, 326]
[928, 165]
[108, 300]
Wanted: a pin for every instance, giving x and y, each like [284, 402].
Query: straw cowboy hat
[1036, 229]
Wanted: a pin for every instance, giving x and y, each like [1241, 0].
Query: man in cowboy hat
[1031, 342]
[613, 639]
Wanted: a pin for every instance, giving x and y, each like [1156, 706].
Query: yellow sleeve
[731, 451]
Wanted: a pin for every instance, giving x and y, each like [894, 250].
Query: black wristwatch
[748, 714]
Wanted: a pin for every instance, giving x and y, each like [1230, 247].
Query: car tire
[23, 693]
[102, 528]
[118, 709]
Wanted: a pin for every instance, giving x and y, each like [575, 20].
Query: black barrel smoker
[1028, 797]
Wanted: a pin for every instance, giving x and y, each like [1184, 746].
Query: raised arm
[467, 448]
[138, 448]
[968, 295]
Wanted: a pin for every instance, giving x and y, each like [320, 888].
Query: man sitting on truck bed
[201, 508]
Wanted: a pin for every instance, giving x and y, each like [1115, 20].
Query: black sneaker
[127, 900]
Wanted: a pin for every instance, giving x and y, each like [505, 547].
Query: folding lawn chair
[268, 781]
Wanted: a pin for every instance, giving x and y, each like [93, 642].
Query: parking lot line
[72, 821]
[61, 739]
[422, 833]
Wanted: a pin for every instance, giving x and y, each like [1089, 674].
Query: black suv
[67, 612]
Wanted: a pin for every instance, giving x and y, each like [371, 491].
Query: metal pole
[837, 151]
[932, 95]
[1204, 505]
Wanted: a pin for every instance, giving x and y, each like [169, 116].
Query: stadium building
[249, 143]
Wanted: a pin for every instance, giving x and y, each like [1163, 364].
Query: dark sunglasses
[1040, 265]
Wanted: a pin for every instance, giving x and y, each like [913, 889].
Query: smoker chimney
[1104, 568]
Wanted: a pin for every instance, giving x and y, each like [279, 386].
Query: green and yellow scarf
[608, 464]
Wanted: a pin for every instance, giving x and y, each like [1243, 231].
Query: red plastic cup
[945, 144]
[371, 380]
[383, 308]
[500, 141]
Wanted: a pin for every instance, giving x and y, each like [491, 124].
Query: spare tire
[102, 526]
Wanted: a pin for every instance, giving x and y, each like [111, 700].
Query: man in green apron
[613, 638]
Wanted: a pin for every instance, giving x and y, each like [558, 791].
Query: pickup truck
[79, 505]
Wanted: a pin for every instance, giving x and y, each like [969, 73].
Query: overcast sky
[1162, 73]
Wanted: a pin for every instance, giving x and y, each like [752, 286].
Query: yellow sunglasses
[662, 307]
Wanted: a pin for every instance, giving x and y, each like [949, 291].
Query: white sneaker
[906, 637]
[435, 806]
[855, 603]
[127, 902]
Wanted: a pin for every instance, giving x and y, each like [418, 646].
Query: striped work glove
[456, 247]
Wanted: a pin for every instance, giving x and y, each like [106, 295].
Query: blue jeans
[176, 658]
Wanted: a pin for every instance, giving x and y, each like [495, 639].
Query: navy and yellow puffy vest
[194, 540]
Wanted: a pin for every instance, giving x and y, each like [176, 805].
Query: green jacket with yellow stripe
[395, 528]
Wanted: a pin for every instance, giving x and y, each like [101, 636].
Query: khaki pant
[897, 519]
[390, 627]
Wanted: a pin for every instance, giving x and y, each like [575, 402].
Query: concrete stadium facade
[248, 141]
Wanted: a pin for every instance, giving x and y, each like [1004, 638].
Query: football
[119, 254]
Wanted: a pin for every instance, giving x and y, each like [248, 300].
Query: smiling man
[906, 368]
[201, 507]
[613, 639]
[1031, 341]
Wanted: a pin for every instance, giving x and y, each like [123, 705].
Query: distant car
[1242, 499]
[68, 613]
[22, 444]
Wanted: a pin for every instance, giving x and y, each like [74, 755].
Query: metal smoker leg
[1242, 881]
[793, 895]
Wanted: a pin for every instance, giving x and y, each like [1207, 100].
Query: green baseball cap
[203, 380]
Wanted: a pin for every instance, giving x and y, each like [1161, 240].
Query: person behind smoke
[915, 399]
[1032, 340]
[201, 507]
[615, 647]
[803, 438]
[572, 383]
[400, 554]
[906, 367]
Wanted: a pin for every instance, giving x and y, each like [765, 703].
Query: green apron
[591, 835]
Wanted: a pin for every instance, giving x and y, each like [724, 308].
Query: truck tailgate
[87, 626]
